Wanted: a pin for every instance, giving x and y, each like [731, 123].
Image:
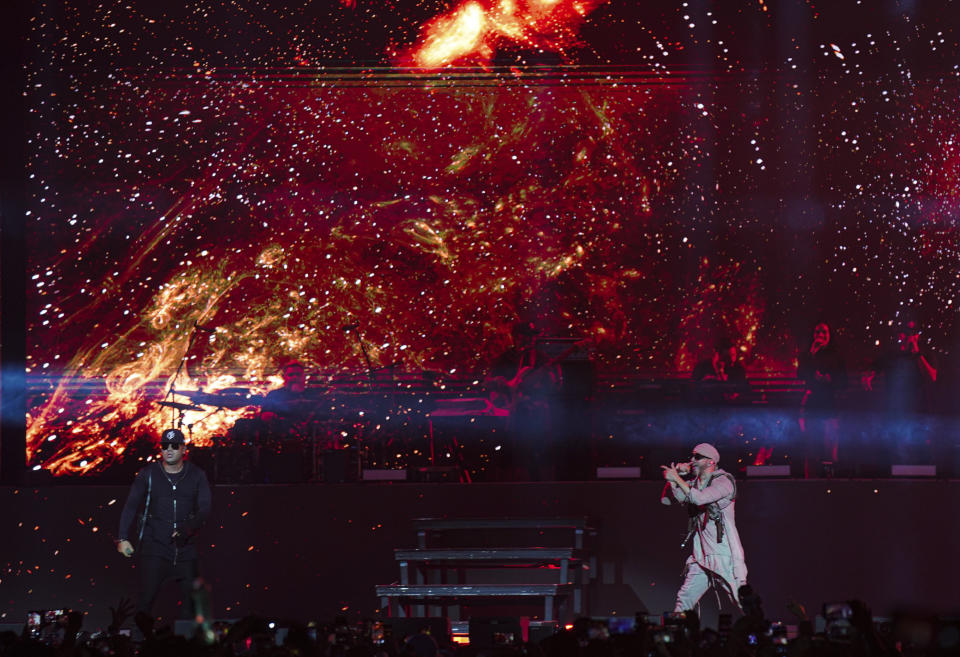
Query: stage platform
[316, 551]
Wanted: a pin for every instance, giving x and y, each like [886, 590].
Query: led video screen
[232, 186]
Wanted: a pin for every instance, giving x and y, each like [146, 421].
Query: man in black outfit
[909, 372]
[523, 380]
[824, 373]
[287, 402]
[910, 389]
[175, 498]
[724, 366]
[286, 412]
[720, 380]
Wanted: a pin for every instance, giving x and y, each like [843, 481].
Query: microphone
[350, 327]
[205, 329]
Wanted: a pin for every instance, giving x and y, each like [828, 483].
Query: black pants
[154, 571]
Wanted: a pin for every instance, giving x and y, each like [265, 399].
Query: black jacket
[823, 394]
[180, 501]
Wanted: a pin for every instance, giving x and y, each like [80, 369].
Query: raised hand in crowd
[120, 614]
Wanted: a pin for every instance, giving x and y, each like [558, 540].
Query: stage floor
[316, 551]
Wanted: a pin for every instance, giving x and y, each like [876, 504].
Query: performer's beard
[698, 471]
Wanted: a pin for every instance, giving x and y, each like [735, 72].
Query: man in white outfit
[717, 558]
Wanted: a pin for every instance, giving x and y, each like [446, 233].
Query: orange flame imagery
[473, 31]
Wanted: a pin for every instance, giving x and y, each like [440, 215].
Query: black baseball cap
[172, 436]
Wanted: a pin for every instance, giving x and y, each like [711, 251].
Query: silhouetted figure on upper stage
[523, 380]
[286, 409]
[909, 373]
[824, 372]
[723, 366]
[909, 385]
[722, 376]
[948, 374]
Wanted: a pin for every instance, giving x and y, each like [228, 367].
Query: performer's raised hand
[670, 472]
[120, 614]
[125, 548]
[912, 344]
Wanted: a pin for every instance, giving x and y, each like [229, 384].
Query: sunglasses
[168, 445]
[699, 457]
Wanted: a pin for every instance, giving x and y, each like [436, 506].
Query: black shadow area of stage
[304, 551]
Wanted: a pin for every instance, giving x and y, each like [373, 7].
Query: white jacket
[713, 495]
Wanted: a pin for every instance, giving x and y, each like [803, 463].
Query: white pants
[695, 584]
